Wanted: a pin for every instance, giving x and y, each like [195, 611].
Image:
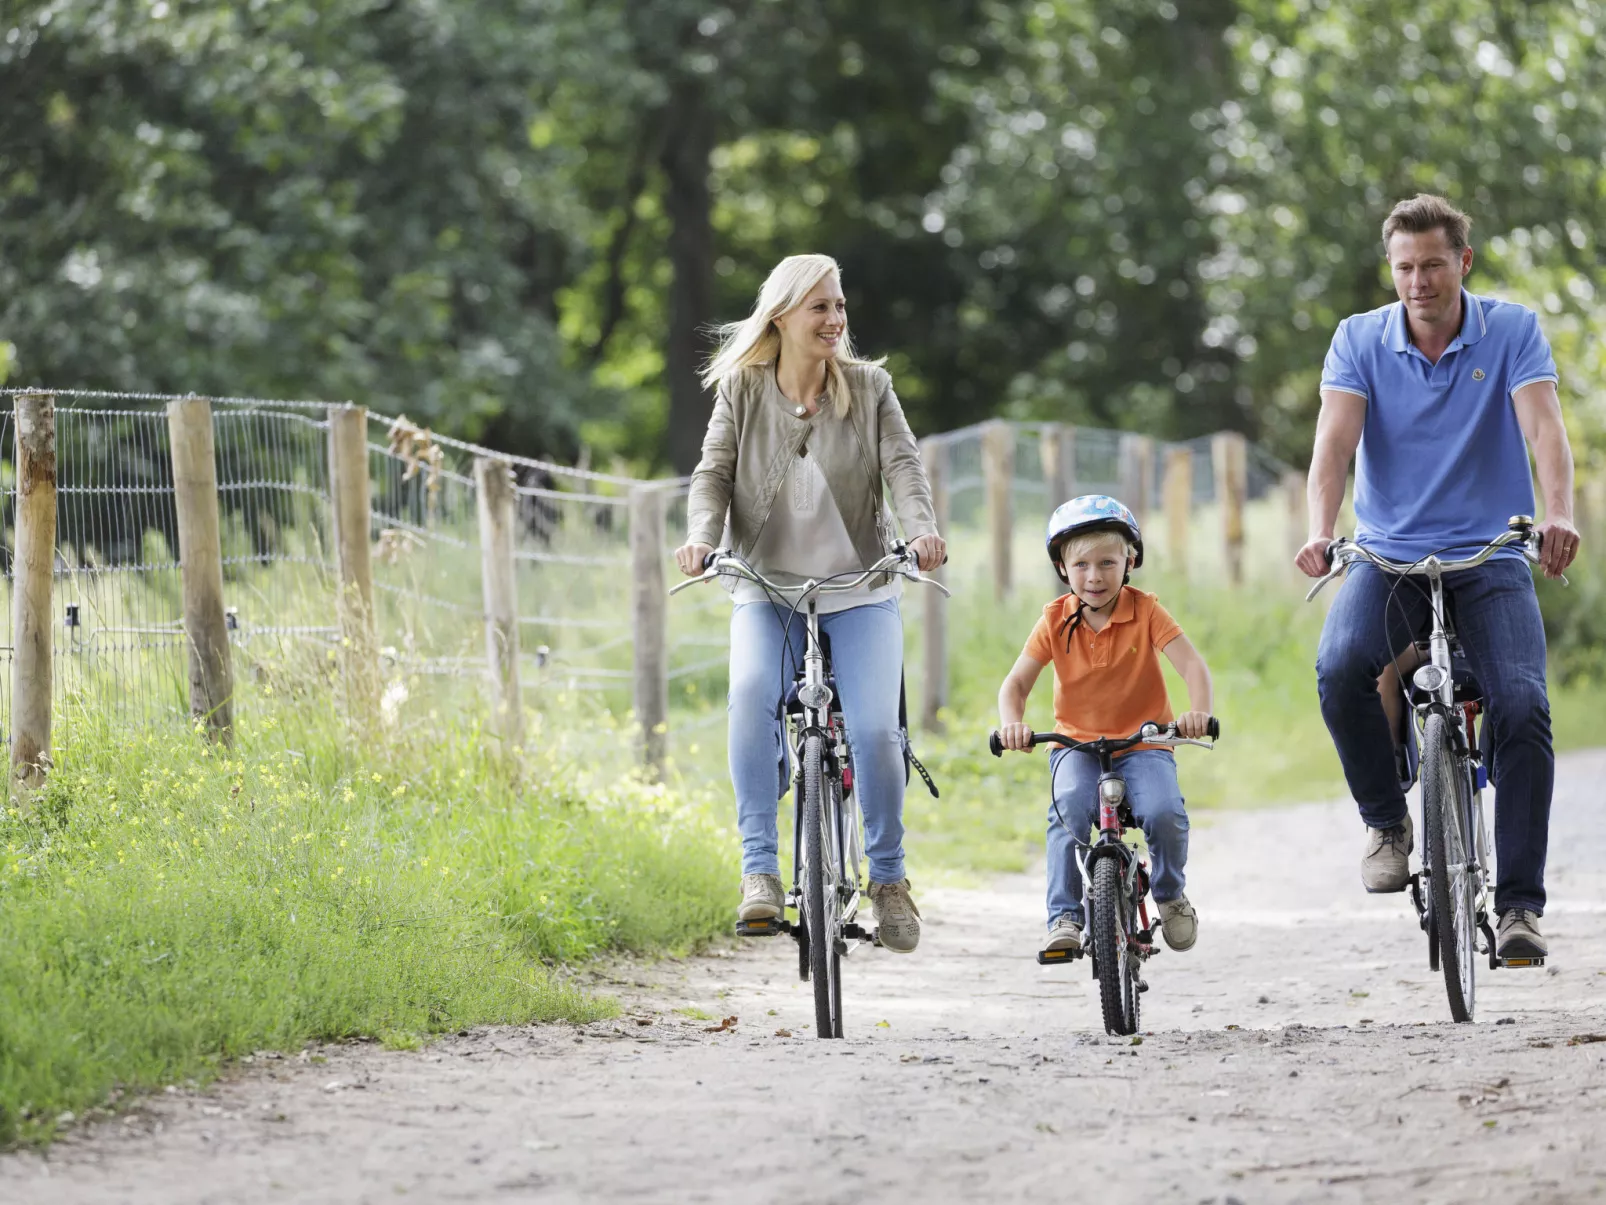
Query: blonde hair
[756, 340]
[1084, 542]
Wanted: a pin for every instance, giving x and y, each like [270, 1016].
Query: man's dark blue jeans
[1496, 616]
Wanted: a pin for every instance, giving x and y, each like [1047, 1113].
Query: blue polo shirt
[1442, 461]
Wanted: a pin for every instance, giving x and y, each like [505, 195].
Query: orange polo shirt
[1106, 683]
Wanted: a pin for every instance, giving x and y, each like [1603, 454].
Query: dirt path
[1299, 1053]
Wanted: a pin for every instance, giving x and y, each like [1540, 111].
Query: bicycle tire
[1110, 947]
[819, 897]
[1444, 815]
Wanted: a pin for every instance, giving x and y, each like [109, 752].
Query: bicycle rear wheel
[1452, 871]
[821, 900]
[1118, 996]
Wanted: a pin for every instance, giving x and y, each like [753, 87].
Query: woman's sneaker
[1063, 934]
[1179, 923]
[762, 897]
[896, 917]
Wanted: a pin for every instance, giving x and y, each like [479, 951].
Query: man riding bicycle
[1437, 392]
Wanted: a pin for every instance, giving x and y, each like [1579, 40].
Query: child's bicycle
[1451, 892]
[1115, 881]
[827, 831]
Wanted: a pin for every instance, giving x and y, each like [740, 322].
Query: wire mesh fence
[121, 647]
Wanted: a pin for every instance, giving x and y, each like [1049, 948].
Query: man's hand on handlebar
[930, 551]
[1312, 559]
[689, 558]
[1195, 725]
[1557, 547]
[1017, 736]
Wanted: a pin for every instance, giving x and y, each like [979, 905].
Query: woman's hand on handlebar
[1016, 736]
[1195, 725]
[689, 558]
[930, 551]
[1313, 560]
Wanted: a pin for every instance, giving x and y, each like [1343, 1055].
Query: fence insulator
[33, 569]
[650, 621]
[934, 634]
[352, 500]
[998, 471]
[1229, 454]
[1178, 497]
[200, 547]
[493, 482]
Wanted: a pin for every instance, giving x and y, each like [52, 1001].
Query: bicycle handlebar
[1151, 733]
[1341, 553]
[900, 561]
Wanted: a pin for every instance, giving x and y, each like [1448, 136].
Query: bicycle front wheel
[1452, 865]
[821, 900]
[1118, 997]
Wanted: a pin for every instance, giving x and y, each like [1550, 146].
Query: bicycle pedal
[1049, 958]
[854, 931]
[1518, 962]
[764, 926]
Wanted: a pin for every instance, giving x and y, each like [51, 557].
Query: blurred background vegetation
[511, 219]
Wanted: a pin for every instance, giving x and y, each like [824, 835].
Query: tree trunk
[691, 254]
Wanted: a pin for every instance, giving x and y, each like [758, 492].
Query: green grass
[166, 905]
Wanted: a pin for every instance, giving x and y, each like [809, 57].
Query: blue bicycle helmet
[1091, 512]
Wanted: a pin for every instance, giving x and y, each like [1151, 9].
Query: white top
[804, 538]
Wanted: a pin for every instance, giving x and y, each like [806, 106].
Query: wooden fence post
[1298, 518]
[650, 621]
[998, 471]
[33, 572]
[353, 507]
[1137, 475]
[1059, 464]
[1178, 497]
[934, 633]
[493, 489]
[1229, 455]
[200, 547]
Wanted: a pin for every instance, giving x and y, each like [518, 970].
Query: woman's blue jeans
[1156, 799]
[867, 659]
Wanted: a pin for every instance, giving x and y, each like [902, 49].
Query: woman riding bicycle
[803, 438]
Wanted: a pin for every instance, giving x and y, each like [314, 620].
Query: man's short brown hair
[1425, 212]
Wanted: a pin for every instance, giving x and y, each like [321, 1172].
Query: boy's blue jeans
[867, 658]
[1496, 615]
[1156, 800]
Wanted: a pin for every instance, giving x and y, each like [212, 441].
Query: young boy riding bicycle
[1102, 639]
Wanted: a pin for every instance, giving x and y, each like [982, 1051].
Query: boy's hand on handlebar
[1557, 547]
[1195, 725]
[689, 558]
[1312, 558]
[930, 551]
[1017, 737]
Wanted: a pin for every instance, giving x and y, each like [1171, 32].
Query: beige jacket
[753, 437]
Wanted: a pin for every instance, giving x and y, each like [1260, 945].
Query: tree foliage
[515, 218]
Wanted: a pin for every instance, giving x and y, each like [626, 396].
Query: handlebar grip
[1214, 729]
[996, 744]
[709, 559]
[1327, 553]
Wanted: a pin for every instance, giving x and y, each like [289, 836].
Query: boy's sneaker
[1063, 934]
[1519, 935]
[762, 897]
[1386, 866]
[1179, 923]
[896, 917]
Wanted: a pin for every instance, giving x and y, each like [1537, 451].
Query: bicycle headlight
[815, 696]
[1430, 678]
[1112, 790]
